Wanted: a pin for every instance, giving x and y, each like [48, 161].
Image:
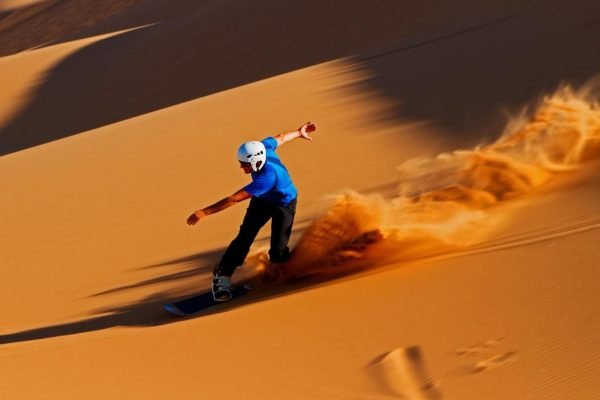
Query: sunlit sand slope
[440, 253]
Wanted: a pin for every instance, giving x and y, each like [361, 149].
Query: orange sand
[487, 260]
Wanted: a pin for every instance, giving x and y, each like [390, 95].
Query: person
[273, 197]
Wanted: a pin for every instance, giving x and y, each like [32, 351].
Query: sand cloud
[442, 203]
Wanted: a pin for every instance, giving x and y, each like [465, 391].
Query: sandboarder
[273, 196]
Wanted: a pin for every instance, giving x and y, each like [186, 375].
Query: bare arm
[302, 132]
[220, 205]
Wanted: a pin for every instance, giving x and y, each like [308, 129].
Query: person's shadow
[149, 311]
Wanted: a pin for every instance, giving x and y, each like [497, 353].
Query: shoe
[272, 272]
[221, 288]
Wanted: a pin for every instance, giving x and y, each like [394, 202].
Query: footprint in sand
[479, 348]
[490, 362]
[495, 361]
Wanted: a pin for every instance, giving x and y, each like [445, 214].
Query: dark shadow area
[195, 265]
[149, 312]
[212, 46]
[36, 24]
[468, 80]
[201, 263]
[145, 313]
[143, 12]
[4, 14]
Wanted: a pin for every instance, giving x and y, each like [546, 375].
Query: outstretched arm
[220, 205]
[302, 132]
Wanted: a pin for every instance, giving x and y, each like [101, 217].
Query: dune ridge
[29, 24]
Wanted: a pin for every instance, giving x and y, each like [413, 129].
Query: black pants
[258, 213]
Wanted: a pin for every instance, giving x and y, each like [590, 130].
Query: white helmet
[254, 153]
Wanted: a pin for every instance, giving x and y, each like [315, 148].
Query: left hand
[197, 216]
[304, 130]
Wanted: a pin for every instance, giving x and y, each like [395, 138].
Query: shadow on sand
[468, 79]
[207, 49]
[149, 312]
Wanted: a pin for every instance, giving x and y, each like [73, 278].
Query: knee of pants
[245, 235]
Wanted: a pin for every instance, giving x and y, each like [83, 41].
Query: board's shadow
[149, 312]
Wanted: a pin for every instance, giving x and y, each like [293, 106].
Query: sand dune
[115, 128]
[180, 56]
[29, 24]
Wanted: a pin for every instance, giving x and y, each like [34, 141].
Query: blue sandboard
[201, 302]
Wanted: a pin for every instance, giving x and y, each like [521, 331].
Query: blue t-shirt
[272, 183]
